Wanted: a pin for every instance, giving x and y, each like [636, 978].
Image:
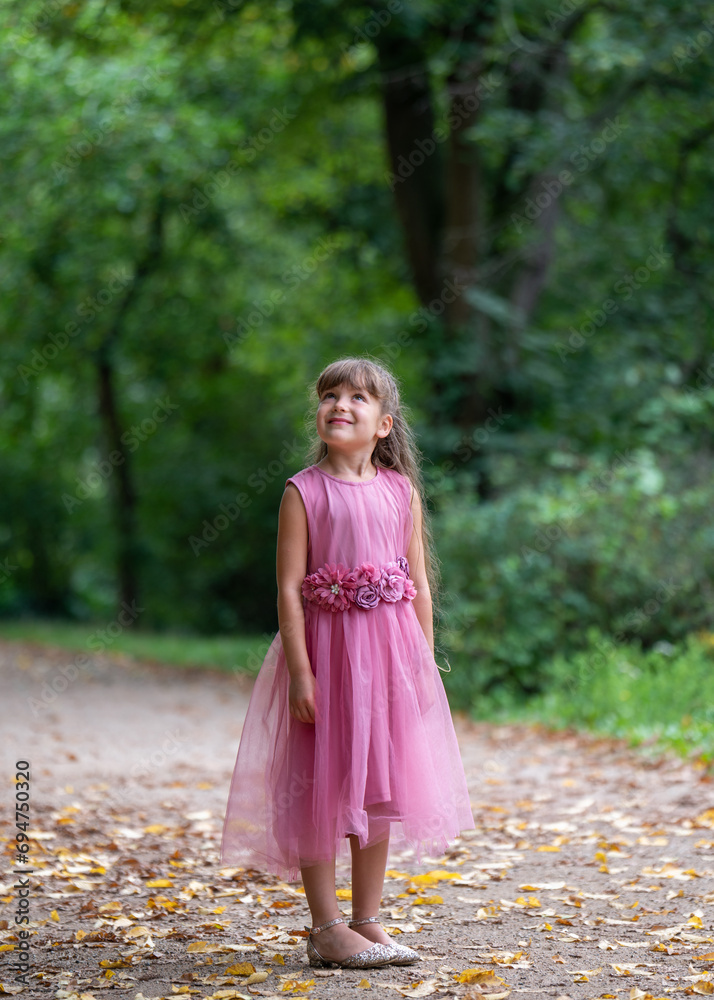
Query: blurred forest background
[507, 202]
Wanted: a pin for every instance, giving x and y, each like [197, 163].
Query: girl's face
[347, 416]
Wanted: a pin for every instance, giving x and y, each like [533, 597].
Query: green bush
[624, 547]
[664, 695]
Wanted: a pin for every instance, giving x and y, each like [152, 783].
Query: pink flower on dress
[331, 587]
[392, 582]
[409, 590]
[367, 596]
[336, 588]
[365, 574]
[365, 579]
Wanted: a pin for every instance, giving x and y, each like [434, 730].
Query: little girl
[348, 734]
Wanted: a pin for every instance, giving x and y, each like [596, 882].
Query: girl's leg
[368, 867]
[338, 942]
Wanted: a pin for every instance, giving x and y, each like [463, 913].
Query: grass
[226, 653]
[657, 700]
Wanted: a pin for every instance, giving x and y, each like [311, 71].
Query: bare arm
[291, 567]
[417, 572]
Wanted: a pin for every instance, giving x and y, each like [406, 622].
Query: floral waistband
[337, 588]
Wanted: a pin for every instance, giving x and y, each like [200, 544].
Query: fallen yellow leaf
[505, 957]
[364, 984]
[427, 901]
[257, 977]
[206, 947]
[241, 969]
[159, 883]
[168, 904]
[431, 878]
[138, 931]
[421, 988]
[637, 994]
[479, 976]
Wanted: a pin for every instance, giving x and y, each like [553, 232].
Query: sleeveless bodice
[355, 522]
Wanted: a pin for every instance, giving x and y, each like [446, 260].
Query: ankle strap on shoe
[322, 927]
[366, 920]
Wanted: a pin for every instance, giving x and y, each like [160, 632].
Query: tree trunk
[451, 238]
[124, 493]
[416, 176]
[463, 213]
[125, 498]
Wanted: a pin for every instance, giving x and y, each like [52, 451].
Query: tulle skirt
[381, 759]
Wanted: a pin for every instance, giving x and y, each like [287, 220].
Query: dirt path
[590, 873]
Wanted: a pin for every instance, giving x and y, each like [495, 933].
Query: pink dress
[382, 757]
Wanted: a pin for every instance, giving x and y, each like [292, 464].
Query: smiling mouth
[338, 420]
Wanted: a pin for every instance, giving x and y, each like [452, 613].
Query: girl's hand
[301, 697]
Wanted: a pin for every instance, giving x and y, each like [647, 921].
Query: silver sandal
[370, 958]
[406, 956]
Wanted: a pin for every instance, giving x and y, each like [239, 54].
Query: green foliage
[624, 546]
[197, 217]
[658, 699]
